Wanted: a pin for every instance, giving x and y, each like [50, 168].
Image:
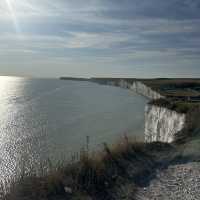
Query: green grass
[178, 106]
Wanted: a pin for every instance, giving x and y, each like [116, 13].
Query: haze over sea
[47, 118]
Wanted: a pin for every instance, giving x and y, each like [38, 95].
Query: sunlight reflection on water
[41, 119]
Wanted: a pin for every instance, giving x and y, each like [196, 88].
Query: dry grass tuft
[93, 175]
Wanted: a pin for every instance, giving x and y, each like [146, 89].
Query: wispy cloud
[122, 35]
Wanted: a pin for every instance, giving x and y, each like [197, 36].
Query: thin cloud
[117, 33]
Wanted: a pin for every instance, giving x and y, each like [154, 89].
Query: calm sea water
[46, 118]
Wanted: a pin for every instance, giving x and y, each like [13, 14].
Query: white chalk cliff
[161, 124]
[144, 90]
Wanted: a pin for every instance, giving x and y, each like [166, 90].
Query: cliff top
[177, 87]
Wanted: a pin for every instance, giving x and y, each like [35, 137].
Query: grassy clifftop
[186, 89]
[182, 88]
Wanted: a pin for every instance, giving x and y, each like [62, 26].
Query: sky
[87, 38]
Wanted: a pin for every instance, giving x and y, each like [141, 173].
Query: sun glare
[10, 5]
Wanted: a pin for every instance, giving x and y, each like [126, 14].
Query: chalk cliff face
[124, 84]
[121, 83]
[144, 90]
[138, 87]
[161, 124]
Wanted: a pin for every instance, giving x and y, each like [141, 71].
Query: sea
[48, 119]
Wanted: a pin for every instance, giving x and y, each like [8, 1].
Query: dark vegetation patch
[74, 79]
[178, 106]
[177, 83]
[192, 126]
[182, 89]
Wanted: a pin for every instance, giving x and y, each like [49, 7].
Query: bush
[192, 126]
[178, 106]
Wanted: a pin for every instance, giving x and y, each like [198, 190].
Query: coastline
[120, 172]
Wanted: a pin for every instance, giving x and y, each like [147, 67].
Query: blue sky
[131, 38]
